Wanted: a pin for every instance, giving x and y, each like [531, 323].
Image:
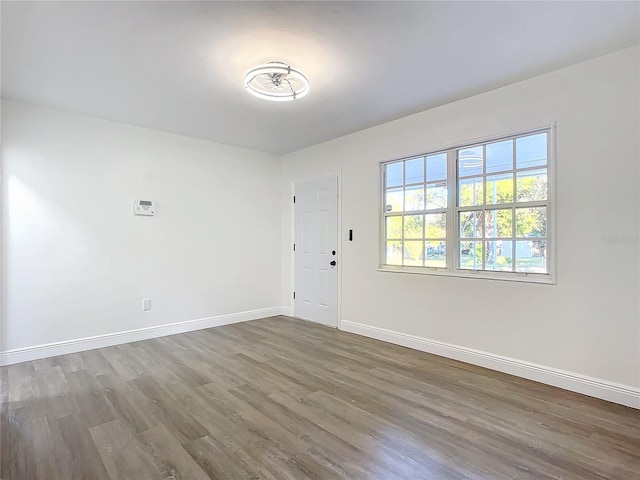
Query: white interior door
[316, 250]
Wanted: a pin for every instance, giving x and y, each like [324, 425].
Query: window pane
[500, 188]
[394, 174]
[413, 226]
[531, 151]
[394, 227]
[393, 253]
[470, 161]
[437, 195]
[394, 200]
[470, 224]
[435, 254]
[470, 192]
[499, 156]
[497, 256]
[436, 225]
[413, 253]
[531, 185]
[531, 222]
[531, 256]
[414, 198]
[498, 223]
[471, 255]
[414, 171]
[437, 167]
[501, 207]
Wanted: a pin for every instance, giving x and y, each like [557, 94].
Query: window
[477, 210]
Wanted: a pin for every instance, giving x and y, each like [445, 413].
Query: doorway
[316, 250]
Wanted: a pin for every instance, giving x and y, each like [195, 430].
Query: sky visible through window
[500, 210]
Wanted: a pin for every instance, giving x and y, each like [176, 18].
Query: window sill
[505, 277]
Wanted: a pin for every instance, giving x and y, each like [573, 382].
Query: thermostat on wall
[144, 207]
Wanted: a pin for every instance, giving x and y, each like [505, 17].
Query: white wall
[589, 323]
[77, 262]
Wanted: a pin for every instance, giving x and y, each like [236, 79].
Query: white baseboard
[288, 311]
[594, 387]
[37, 352]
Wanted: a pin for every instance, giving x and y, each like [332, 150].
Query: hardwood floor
[284, 399]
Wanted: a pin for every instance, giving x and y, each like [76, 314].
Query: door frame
[292, 233]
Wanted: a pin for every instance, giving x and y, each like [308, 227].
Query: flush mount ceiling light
[276, 81]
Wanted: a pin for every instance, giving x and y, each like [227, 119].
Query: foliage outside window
[482, 208]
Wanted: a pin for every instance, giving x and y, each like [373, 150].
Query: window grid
[405, 212]
[483, 208]
[491, 240]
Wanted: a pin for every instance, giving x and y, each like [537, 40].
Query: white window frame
[452, 209]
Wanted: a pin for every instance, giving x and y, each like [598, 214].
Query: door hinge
[294, 295]
[294, 247]
[294, 199]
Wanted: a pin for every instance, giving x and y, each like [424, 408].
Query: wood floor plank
[20, 385]
[169, 412]
[18, 447]
[129, 404]
[89, 399]
[344, 430]
[168, 452]
[96, 362]
[161, 351]
[85, 460]
[43, 363]
[338, 455]
[53, 398]
[280, 398]
[219, 458]
[125, 365]
[69, 363]
[123, 455]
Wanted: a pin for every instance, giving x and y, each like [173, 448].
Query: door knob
[332, 263]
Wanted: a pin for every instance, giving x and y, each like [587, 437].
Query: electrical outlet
[146, 304]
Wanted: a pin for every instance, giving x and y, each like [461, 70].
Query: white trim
[594, 387]
[302, 319]
[542, 278]
[36, 352]
[452, 210]
[288, 311]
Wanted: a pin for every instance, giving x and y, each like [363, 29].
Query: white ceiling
[178, 66]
